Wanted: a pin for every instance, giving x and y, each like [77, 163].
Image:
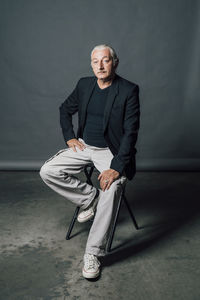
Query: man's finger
[99, 177]
[109, 184]
[81, 146]
[102, 184]
[74, 148]
[105, 183]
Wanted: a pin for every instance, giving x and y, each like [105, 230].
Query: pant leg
[99, 231]
[58, 173]
[107, 203]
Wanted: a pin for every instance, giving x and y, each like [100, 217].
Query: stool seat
[88, 170]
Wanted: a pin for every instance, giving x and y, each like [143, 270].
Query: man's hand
[107, 177]
[73, 143]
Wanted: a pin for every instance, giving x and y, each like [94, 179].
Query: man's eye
[106, 60]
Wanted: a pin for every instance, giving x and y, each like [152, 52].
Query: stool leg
[109, 244]
[72, 223]
[110, 239]
[130, 212]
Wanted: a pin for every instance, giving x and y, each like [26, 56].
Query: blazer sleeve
[131, 127]
[68, 108]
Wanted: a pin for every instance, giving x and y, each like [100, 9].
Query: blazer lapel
[87, 95]
[113, 91]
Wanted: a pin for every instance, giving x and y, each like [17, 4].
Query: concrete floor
[159, 261]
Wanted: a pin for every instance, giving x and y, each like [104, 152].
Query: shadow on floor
[169, 207]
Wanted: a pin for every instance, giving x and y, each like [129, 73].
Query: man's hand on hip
[107, 177]
[73, 143]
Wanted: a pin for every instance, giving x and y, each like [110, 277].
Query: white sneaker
[88, 213]
[91, 267]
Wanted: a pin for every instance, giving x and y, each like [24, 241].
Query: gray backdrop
[45, 49]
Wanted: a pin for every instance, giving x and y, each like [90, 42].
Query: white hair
[113, 54]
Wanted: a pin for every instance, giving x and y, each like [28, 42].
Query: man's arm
[68, 108]
[131, 126]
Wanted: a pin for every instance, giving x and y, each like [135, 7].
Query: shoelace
[91, 261]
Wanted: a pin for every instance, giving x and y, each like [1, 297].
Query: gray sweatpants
[58, 173]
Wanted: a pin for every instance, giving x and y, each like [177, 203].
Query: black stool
[88, 170]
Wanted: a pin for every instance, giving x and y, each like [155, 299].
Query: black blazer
[121, 119]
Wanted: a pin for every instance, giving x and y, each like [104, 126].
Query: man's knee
[49, 170]
[46, 171]
[117, 184]
[115, 188]
[43, 172]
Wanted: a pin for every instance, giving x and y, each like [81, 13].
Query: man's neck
[105, 83]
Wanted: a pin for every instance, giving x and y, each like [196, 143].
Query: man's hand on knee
[73, 143]
[107, 177]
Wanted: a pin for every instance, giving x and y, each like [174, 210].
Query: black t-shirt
[93, 130]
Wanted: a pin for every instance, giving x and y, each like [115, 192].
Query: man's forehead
[101, 53]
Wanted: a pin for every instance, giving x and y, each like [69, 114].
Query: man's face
[102, 64]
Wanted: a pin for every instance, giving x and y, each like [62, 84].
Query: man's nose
[101, 65]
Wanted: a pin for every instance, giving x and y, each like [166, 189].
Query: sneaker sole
[86, 219]
[90, 275]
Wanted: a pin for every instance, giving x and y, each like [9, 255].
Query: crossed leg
[58, 173]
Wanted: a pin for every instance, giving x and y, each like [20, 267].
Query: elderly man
[108, 115]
